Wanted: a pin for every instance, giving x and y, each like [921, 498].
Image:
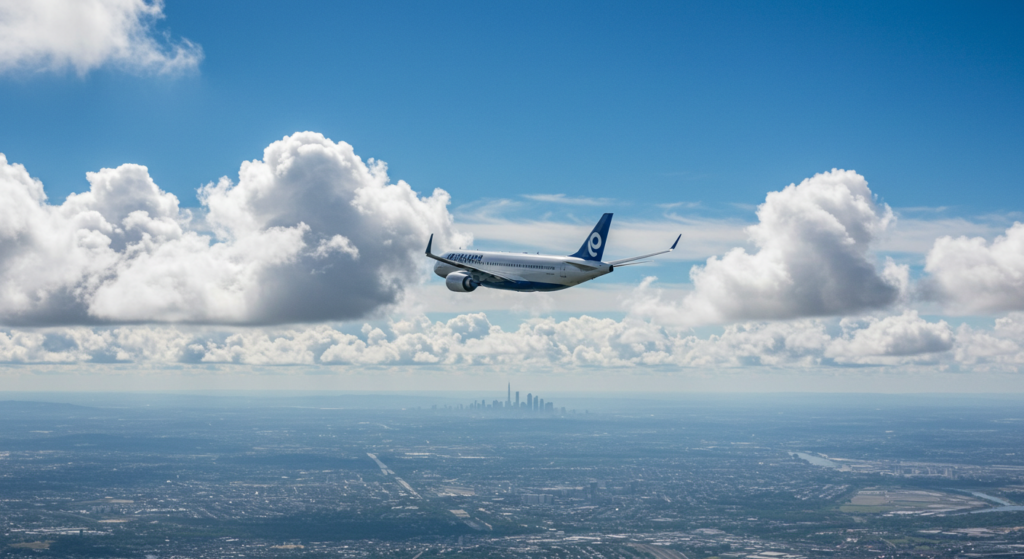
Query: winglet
[431, 241]
[673, 244]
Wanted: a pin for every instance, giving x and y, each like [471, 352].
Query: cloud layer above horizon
[905, 341]
[312, 233]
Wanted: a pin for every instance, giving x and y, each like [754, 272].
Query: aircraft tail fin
[593, 247]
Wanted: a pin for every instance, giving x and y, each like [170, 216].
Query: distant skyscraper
[509, 394]
[517, 398]
[529, 401]
[540, 405]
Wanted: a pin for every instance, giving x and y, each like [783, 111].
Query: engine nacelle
[460, 282]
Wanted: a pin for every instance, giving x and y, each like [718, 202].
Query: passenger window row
[534, 266]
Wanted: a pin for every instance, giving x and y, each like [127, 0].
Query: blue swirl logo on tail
[593, 247]
[594, 244]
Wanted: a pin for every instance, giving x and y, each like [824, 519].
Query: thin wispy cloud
[917, 235]
[488, 208]
[568, 200]
[680, 205]
[921, 209]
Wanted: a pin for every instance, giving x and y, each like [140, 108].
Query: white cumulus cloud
[309, 233]
[55, 35]
[813, 258]
[890, 339]
[1001, 348]
[970, 275]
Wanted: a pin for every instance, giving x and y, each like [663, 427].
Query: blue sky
[666, 102]
[535, 117]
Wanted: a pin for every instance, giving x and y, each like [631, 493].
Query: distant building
[517, 398]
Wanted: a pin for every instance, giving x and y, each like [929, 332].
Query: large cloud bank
[813, 258]
[309, 233]
[54, 35]
[899, 341]
[970, 275]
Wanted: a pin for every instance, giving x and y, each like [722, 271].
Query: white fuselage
[526, 272]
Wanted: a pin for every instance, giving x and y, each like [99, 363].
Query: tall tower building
[529, 401]
[509, 400]
[517, 398]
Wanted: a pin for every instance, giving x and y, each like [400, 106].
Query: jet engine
[460, 282]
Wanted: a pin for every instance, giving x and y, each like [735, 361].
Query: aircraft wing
[472, 269]
[625, 260]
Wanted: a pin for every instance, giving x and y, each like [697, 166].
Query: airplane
[465, 270]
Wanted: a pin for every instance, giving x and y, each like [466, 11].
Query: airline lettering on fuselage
[465, 257]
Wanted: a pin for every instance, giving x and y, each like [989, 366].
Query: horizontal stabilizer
[582, 265]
